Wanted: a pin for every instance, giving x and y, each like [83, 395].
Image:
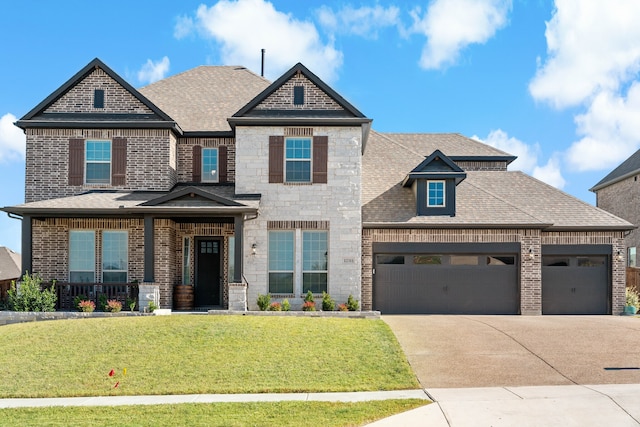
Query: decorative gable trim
[193, 191]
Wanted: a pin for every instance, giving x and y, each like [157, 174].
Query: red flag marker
[117, 384]
[111, 372]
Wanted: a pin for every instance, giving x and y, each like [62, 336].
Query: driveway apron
[501, 351]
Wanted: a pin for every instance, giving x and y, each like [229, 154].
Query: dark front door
[207, 290]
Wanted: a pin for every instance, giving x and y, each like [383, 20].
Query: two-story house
[233, 186]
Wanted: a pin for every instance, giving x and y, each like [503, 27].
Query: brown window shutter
[222, 163]
[320, 154]
[197, 163]
[119, 161]
[76, 161]
[276, 159]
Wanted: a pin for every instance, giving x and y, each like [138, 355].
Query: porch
[68, 292]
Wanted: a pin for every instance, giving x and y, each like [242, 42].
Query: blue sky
[555, 82]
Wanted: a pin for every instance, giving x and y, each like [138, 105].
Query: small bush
[632, 297]
[275, 306]
[286, 306]
[309, 297]
[131, 303]
[309, 306]
[152, 306]
[343, 307]
[78, 298]
[264, 301]
[352, 303]
[328, 304]
[30, 296]
[113, 306]
[102, 302]
[86, 306]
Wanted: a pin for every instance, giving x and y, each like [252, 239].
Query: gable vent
[98, 98]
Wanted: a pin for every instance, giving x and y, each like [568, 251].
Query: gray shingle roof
[629, 167]
[484, 198]
[10, 264]
[201, 99]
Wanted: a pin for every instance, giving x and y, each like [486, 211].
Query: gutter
[613, 181]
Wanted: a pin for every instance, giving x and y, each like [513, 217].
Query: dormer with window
[434, 184]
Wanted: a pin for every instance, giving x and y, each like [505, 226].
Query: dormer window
[436, 194]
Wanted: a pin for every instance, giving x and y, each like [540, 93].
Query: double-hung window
[82, 256]
[314, 261]
[435, 194]
[114, 256]
[210, 165]
[98, 162]
[281, 261]
[298, 159]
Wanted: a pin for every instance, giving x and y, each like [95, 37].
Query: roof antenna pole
[262, 68]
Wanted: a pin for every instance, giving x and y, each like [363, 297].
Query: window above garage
[434, 184]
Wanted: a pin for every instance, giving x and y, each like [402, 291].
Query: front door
[207, 289]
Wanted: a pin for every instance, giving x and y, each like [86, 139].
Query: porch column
[238, 255]
[149, 249]
[26, 245]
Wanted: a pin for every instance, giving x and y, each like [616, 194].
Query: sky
[556, 83]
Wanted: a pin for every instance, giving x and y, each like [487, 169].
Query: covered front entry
[207, 274]
[446, 278]
[575, 279]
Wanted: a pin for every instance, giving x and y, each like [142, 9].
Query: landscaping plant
[264, 301]
[30, 296]
[352, 303]
[632, 298]
[286, 306]
[275, 306]
[328, 304]
[113, 306]
[86, 306]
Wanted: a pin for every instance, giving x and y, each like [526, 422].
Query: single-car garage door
[575, 279]
[446, 278]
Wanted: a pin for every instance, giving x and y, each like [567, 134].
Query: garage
[419, 278]
[575, 279]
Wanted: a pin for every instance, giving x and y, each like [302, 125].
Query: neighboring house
[218, 179]
[619, 193]
[10, 266]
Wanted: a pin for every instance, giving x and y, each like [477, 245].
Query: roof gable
[626, 169]
[73, 102]
[435, 166]
[190, 196]
[319, 98]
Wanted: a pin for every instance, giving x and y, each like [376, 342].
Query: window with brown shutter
[76, 161]
[119, 161]
[320, 154]
[276, 159]
[222, 163]
[197, 163]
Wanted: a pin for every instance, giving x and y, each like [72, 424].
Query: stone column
[148, 292]
[237, 297]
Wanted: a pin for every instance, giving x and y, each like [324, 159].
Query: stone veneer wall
[336, 203]
[51, 245]
[185, 156]
[530, 266]
[47, 161]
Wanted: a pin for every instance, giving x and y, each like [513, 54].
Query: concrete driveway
[503, 351]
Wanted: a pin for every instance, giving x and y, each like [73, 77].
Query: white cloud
[364, 21]
[527, 160]
[452, 25]
[244, 27]
[12, 139]
[184, 27]
[153, 71]
[610, 131]
[591, 46]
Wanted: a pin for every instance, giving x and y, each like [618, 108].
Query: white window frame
[309, 160]
[86, 161]
[93, 254]
[292, 272]
[326, 255]
[207, 176]
[444, 194]
[126, 262]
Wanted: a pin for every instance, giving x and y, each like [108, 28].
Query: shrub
[78, 298]
[102, 302]
[30, 296]
[86, 306]
[113, 306]
[343, 307]
[352, 303]
[285, 305]
[152, 306]
[328, 304]
[309, 306]
[264, 301]
[275, 306]
[131, 303]
[632, 297]
[309, 297]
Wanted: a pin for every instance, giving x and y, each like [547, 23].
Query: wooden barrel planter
[183, 297]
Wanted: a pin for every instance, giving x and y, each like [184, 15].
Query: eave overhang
[411, 177]
[537, 226]
[136, 211]
[615, 180]
[102, 124]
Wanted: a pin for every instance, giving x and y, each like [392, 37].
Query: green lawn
[185, 354]
[283, 414]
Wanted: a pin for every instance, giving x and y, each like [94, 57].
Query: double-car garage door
[484, 278]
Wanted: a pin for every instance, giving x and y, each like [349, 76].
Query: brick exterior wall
[47, 161]
[185, 156]
[530, 265]
[314, 97]
[79, 99]
[623, 200]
